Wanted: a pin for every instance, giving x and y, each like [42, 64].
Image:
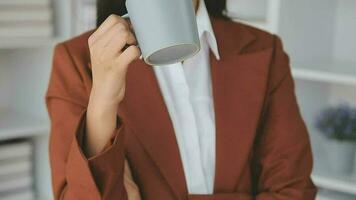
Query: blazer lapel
[239, 80]
[144, 110]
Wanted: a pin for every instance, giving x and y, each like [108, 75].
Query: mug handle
[126, 16]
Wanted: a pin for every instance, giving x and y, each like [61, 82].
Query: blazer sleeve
[282, 152]
[73, 175]
[283, 157]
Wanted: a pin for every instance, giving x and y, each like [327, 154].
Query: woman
[224, 127]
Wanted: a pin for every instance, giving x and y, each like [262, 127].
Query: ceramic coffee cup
[166, 30]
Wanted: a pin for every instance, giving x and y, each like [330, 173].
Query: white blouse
[187, 93]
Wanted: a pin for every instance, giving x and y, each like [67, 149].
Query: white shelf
[15, 43]
[343, 184]
[327, 195]
[17, 125]
[320, 197]
[336, 73]
[20, 83]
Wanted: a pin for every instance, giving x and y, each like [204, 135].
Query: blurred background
[319, 36]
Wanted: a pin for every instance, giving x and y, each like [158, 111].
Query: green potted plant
[338, 125]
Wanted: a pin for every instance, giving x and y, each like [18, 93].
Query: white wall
[302, 26]
[251, 9]
[345, 31]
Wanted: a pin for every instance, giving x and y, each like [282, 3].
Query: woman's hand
[132, 190]
[110, 61]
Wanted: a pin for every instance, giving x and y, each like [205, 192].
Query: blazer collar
[231, 38]
[238, 81]
[205, 29]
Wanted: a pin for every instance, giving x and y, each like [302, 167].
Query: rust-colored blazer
[262, 145]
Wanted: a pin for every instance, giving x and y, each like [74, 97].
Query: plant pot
[341, 156]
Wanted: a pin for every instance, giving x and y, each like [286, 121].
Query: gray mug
[166, 30]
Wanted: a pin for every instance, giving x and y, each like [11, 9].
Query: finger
[105, 26]
[118, 30]
[130, 54]
[105, 38]
[117, 44]
[121, 35]
[108, 23]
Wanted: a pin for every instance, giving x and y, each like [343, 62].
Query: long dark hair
[107, 7]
